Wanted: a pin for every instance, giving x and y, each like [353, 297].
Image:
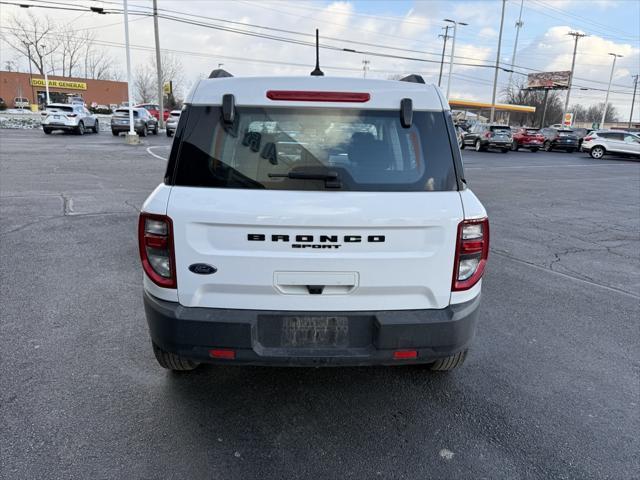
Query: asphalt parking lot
[550, 389]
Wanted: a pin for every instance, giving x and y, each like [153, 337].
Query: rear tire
[533, 150]
[80, 130]
[171, 361]
[597, 152]
[478, 146]
[144, 131]
[462, 145]
[547, 146]
[504, 150]
[515, 147]
[114, 133]
[169, 134]
[47, 131]
[96, 127]
[155, 130]
[449, 363]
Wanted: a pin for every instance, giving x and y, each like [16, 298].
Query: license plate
[56, 117]
[315, 331]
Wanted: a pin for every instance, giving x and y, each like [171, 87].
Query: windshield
[532, 131]
[124, 113]
[59, 108]
[315, 149]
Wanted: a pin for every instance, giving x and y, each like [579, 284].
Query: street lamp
[44, 68]
[606, 98]
[453, 48]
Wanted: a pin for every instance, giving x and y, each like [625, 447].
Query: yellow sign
[39, 82]
[167, 88]
[568, 119]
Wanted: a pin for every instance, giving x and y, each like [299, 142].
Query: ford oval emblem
[202, 269]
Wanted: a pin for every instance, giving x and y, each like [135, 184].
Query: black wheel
[504, 150]
[547, 146]
[144, 130]
[449, 363]
[478, 146]
[96, 127]
[571, 150]
[155, 130]
[114, 133]
[171, 361]
[597, 152]
[533, 150]
[80, 130]
[515, 147]
[462, 145]
[169, 133]
[47, 131]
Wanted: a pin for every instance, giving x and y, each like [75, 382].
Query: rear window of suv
[315, 149]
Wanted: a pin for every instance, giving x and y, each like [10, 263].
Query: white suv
[70, 118]
[611, 142]
[313, 221]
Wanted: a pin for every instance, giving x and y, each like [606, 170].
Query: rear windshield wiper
[331, 179]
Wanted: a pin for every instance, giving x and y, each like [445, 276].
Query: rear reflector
[405, 354]
[220, 353]
[305, 96]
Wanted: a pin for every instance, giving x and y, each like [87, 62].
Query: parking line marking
[153, 154]
[555, 166]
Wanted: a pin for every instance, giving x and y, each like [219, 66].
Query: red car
[526, 137]
[154, 110]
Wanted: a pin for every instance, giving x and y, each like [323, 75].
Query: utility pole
[633, 99]
[365, 68]
[158, 65]
[444, 47]
[453, 49]
[495, 76]
[606, 98]
[46, 77]
[33, 93]
[519, 25]
[577, 36]
[132, 136]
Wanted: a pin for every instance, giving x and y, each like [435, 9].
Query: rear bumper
[258, 337]
[59, 126]
[499, 144]
[531, 145]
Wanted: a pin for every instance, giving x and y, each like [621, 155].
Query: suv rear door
[368, 221]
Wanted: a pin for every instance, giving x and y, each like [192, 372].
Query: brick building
[101, 92]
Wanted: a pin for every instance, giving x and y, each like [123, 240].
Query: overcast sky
[611, 26]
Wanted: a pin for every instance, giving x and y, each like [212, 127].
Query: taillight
[71, 115]
[488, 135]
[314, 96]
[155, 238]
[472, 251]
[588, 139]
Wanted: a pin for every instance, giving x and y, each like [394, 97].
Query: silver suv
[70, 118]
[603, 142]
[172, 122]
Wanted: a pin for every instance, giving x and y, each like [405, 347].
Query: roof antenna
[317, 72]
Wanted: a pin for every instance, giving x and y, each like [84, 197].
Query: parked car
[3, 105]
[460, 136]
[610, 142]
[580, 133]
[559, 139]
[172, 122]
[68, 118]
[21, 102]
[236, 272]
[527, 137]
[154, 109]
[143, 122]
[483, 136]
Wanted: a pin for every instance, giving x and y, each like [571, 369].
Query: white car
[69, 118]
[611, 142]
[172, 122]
[273, 240]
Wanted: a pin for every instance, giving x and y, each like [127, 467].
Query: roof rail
[413, 78]
[219, 73]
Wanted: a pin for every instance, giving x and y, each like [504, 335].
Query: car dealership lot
[550, 388]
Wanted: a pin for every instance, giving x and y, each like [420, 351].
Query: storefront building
[61, 89]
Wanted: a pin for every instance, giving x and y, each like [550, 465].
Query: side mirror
[228, 108]
[406, 112]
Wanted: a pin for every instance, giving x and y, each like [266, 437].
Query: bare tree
[144, 85]
[520, 95]
[73, 46]
[32, 37]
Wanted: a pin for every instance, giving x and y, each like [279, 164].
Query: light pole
[132, 136]
[158, 65]
[46, 77]
[606, 98]
[495, 75]
[633, 99]
[453, 49]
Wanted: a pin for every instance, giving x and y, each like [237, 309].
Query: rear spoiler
[219, 73]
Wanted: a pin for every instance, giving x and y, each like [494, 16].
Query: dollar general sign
[39, 82]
